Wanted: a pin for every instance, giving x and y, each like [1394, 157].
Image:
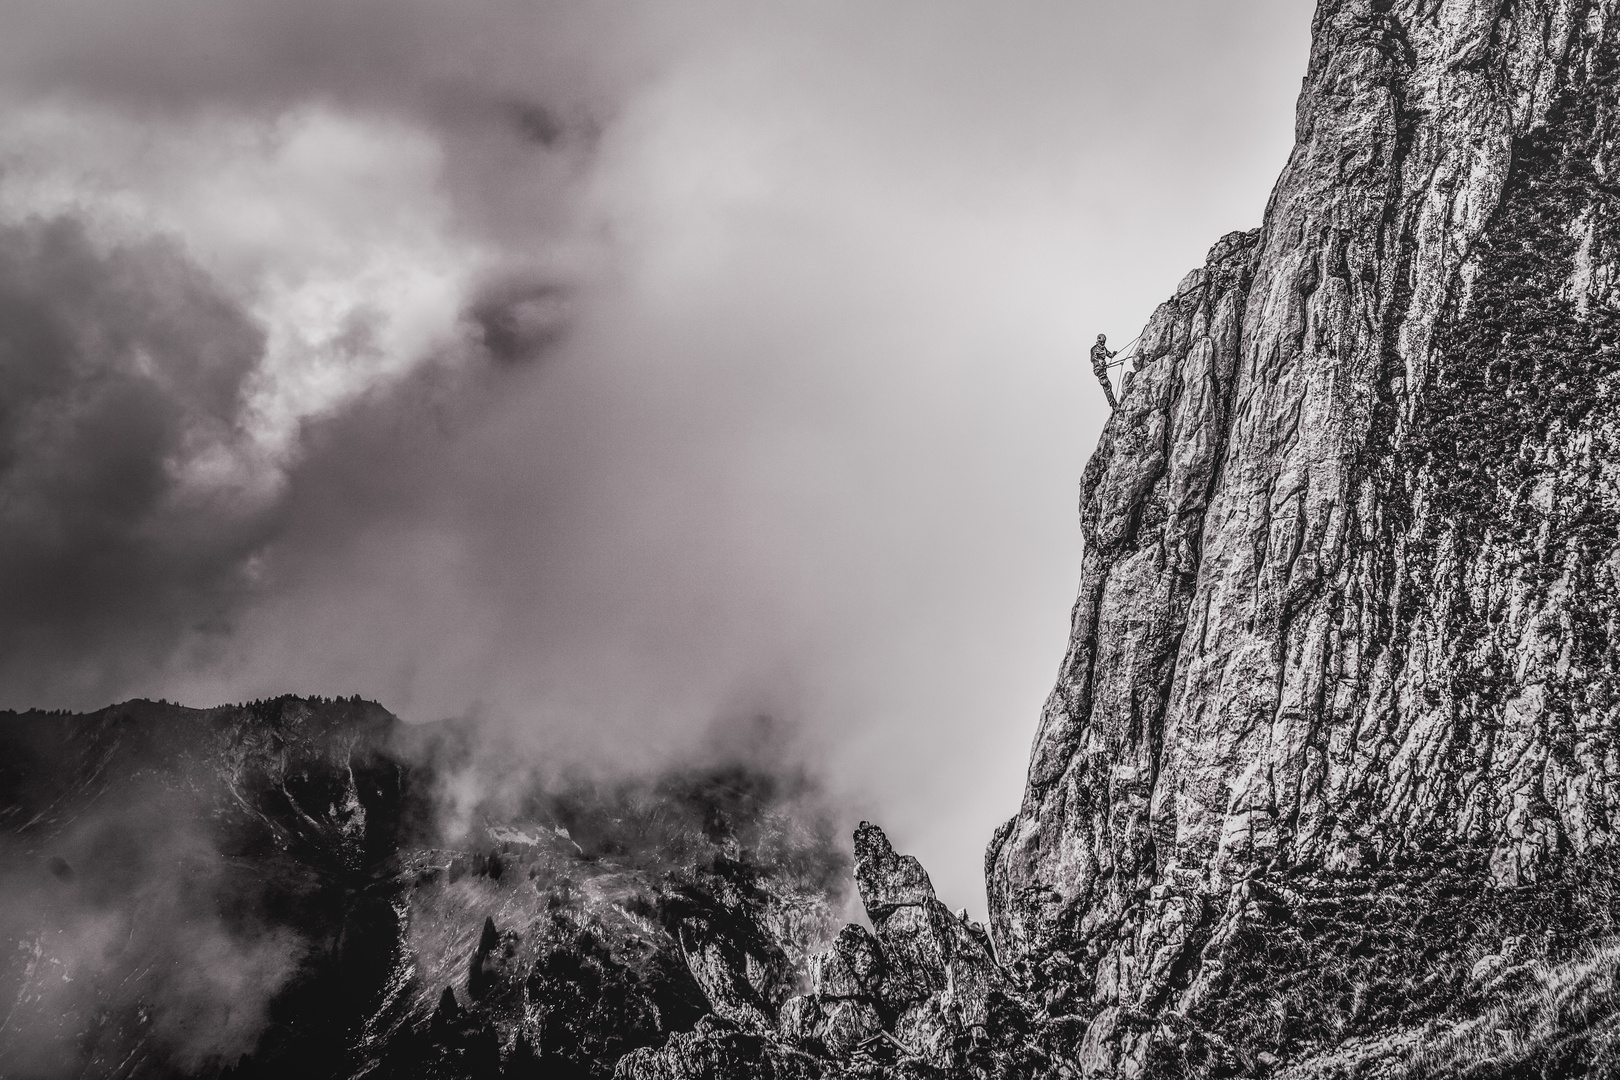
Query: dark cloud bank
[109, 364]
[591, 372]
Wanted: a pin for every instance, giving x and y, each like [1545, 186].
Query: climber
[1099, 363]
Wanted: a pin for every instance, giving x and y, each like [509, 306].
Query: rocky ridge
[274, 889]
[922, 996]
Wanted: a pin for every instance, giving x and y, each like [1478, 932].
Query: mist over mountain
[594, 372]
[291, 887]
[1327, 781]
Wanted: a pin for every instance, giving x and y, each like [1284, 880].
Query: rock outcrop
[1352, 566]
[923, 995]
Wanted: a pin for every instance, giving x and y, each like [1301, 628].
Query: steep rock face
[1349, 591]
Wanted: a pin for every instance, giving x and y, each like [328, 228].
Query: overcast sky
[601, 370]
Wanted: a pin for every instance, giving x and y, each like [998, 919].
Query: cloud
[120, 372]
[136, 933]
[597, 370]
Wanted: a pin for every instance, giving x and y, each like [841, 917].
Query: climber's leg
[1108, 387]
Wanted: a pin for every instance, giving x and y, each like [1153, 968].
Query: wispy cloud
[595, 369]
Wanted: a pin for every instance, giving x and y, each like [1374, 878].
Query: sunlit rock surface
[1352, 544]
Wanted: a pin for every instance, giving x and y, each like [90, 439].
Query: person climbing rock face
[1099, 363]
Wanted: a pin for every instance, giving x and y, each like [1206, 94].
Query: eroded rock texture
[923, 996]
[1353, 536]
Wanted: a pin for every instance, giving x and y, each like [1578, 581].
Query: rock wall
[1352, 540]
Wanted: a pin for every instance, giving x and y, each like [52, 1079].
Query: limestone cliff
[1327, 787]
[1352, 565]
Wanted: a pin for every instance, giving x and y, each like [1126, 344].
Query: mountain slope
[279, 889]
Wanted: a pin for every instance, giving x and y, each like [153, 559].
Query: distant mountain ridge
[1327, 787]
[267, 890]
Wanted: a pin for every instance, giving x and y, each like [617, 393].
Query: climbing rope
[1126, 353]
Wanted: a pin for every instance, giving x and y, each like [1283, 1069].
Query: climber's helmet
[1102, 337]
